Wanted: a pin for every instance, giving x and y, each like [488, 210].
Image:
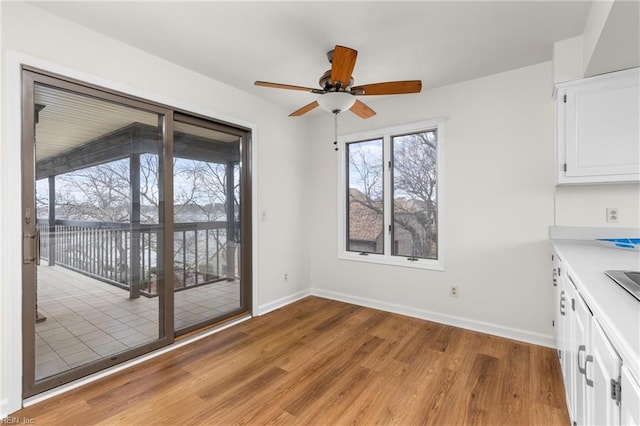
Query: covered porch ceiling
[75, 131]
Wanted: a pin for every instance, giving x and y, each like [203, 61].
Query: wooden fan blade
[283, 86]
[304, 109]
[389, 88]
[342, 64]
[362, 110]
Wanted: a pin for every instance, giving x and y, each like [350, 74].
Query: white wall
[611, 37]
[611, 42]
[567, 60]
[586, 205]
[593, 28]
[3, 298]
[281, 157]
[498, 206]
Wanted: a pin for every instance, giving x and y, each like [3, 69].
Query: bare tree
[102, 193]
[203, 185]
[99, 193]
[366, 169]
[414, 189]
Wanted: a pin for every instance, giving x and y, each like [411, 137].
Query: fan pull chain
[335, 127]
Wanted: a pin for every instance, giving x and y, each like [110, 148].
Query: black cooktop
[629, 280]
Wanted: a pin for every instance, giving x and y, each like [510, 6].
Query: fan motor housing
[330, 86]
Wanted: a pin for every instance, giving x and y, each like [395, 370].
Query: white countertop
[614, 308]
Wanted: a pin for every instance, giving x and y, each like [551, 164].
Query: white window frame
[386, 134]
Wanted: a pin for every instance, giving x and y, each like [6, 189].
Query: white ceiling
[286, 42]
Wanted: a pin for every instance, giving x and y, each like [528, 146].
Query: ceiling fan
[337, 92]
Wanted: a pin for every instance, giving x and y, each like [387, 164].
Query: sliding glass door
[131, 227]
[209, 282]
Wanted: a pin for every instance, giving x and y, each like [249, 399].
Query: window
[391, 196]
[365, 216]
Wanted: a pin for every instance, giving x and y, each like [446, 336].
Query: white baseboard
[483, 327]
[277, 304]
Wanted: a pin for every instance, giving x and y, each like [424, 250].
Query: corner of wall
[10, 230]
[3, 400]
[611, 37]
[568, 60]
[593, 27]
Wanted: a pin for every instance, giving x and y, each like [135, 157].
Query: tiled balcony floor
[88, 319]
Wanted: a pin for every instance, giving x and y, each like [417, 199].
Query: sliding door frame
[30, 77]
[246, 269]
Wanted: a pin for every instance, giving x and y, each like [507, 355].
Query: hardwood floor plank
[419, 385]
[513, 387]
[325, 383]
[483, 393]
[231, 402]
[462, 349]
[453, 407]
[546, 384]
[323, 362]
[415, 344]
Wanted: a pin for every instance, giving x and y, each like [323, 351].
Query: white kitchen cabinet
[581, 351]
[602, 377]
[598, 129]
[630, 413]
[565, 332]
[560, 321]
[599, 390]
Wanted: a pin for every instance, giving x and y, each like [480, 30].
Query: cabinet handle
[588, 380]
[581, 370]
[562, 303]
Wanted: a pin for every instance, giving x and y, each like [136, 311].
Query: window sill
[427, 264]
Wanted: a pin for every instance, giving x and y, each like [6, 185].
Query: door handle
[31, 248]
[37, 247]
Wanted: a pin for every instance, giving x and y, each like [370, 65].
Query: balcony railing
[127, 257]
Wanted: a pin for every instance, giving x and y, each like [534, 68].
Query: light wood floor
[324, 362]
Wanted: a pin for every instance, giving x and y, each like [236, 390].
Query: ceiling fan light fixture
[336, 102]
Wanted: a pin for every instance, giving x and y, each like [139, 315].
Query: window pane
[365, 223]
[98, 215]
[414, 195]
[206, 249]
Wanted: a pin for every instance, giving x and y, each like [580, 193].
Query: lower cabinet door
[602, 372]
[630, 405]
[582, 345]
[566, 344]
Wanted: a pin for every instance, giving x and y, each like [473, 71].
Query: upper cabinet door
[598, 129]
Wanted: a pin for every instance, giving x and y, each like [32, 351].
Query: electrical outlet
[613, 215]
[453, 291]
[285, 277]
